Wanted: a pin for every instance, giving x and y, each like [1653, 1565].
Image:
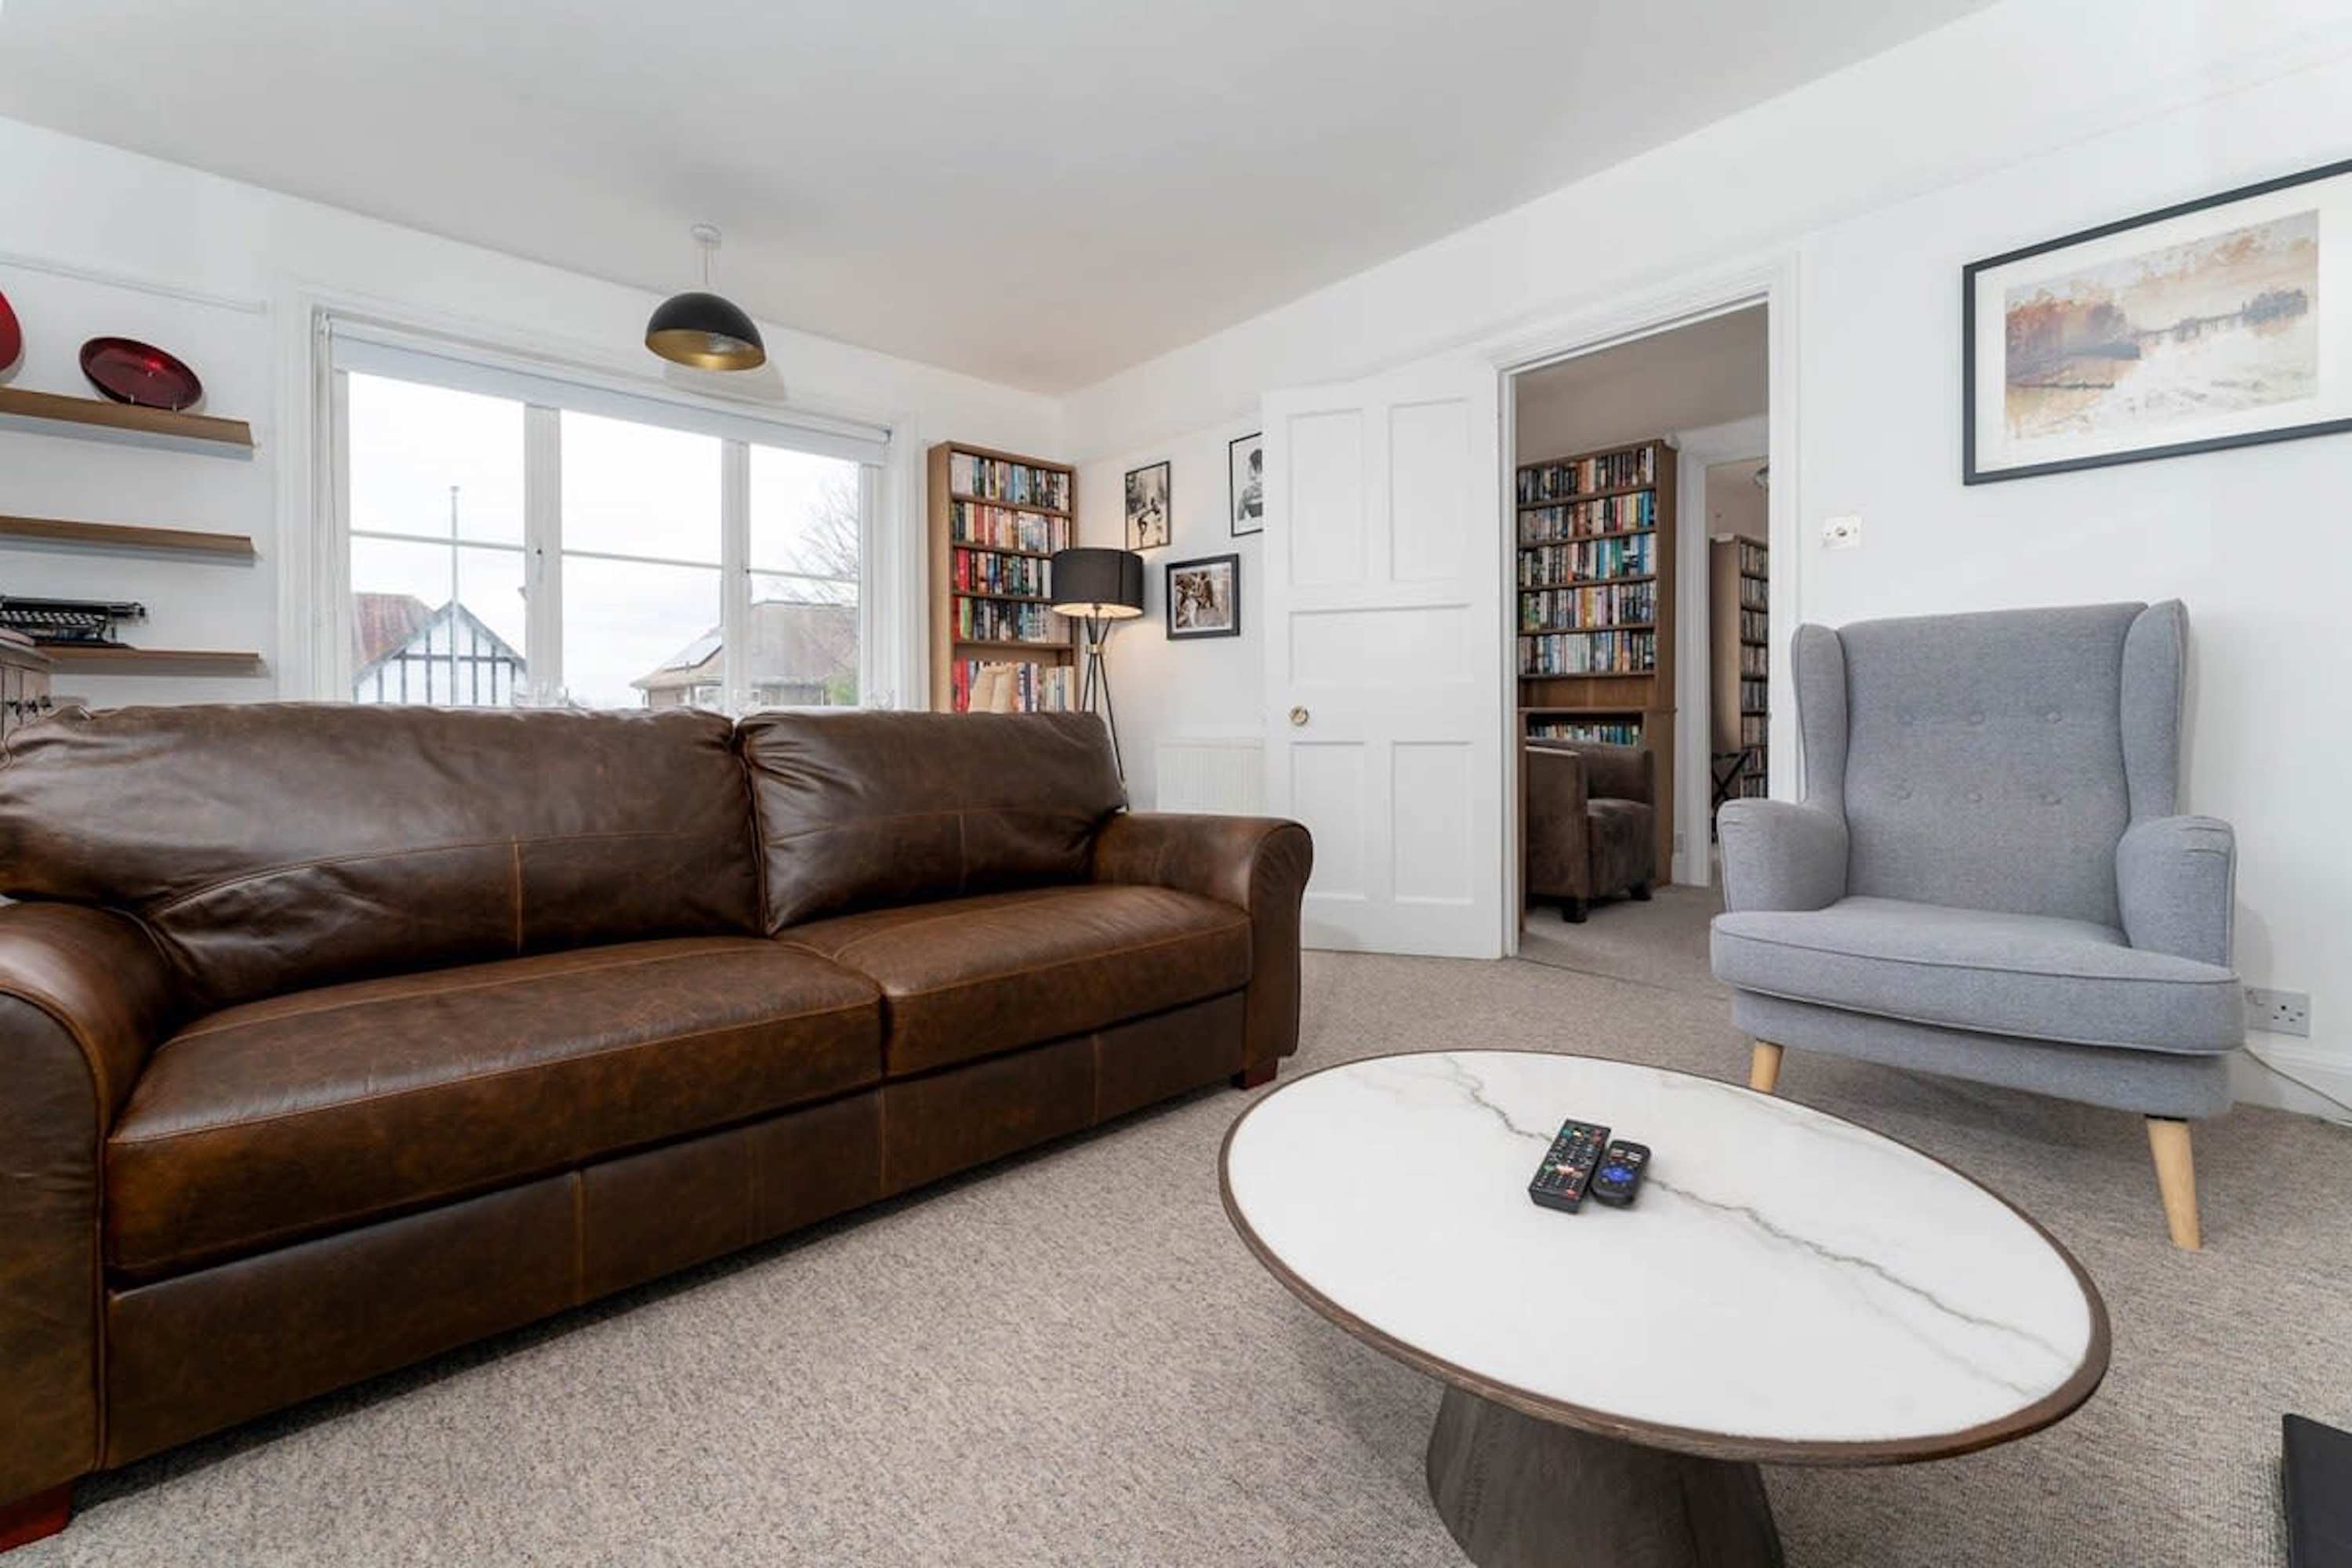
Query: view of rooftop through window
[439, 538]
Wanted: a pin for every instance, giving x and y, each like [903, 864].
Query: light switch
[1841, 533]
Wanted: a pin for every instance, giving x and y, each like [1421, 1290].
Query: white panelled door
[1385, 687]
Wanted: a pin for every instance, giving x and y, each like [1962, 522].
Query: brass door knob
[1299, 716]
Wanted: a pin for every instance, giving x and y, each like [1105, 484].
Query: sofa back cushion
[271, 847]
[856, 808]
[1985, 765]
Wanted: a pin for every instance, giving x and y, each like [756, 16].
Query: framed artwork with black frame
[1149, 503]
[1245, 483]
[2191, 328]
[1204, 598]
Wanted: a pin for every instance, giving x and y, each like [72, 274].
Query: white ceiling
[1710, 373]
[1040, 191]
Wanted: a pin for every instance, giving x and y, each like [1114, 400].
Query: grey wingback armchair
[1987, 877]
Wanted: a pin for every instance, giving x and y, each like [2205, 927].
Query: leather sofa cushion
[325, 1109]
[858, 809]
[2035, 976]
[276, 846]
[967, 978]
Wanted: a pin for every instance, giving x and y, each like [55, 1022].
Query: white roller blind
[373, 349]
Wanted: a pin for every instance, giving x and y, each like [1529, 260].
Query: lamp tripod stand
[1094, 685]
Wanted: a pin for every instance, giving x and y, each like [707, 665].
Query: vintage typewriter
[83, 622]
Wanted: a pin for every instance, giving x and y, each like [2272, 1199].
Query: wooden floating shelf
[125, 536]
[97, 415]
[115, 660]
[1010, 505]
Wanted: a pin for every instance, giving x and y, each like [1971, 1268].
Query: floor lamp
[1094, 588]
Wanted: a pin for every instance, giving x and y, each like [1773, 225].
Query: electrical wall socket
[1841, 532]
[2278, 1012]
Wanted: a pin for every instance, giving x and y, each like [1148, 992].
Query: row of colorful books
[1001, 528]
[1587, 518]
[978, 686]
[1755, 559]
[1007, 620]
[1755, 625]
[1588, 653]
[1754, 592]
[986, 572]
[1753, 696]
[994, 480]
[1567, 609]
[1577, 730]
[1549, 565]
[1543, 481]
[1755, 658]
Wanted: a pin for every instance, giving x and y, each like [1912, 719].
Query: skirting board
[2325, 1069]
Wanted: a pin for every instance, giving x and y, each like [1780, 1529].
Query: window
[513, 539]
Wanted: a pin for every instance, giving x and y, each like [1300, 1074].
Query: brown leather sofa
[332, 1037]
[1591, 825]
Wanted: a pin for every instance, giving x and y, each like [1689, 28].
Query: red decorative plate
[11, 336]
[132, 371]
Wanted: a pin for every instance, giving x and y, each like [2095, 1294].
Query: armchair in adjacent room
[1988, 876]
[1591, 821]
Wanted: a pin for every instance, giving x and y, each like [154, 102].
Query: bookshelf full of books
[1742, 576]
[1595, 552]
[996, 519]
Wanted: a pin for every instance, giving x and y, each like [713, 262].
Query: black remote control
[1620, 1175]
[1568, 1166]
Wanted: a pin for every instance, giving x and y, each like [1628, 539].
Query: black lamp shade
[706, 331]
[1098, 584]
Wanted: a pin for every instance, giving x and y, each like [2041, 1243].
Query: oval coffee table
[1786, 1289]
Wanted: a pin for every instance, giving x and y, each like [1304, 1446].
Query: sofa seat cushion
[325, 1109]
[2039, 976]
[966, 978]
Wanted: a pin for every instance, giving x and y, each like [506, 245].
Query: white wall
[1207, 688]
[104, 241]
[2022, 122]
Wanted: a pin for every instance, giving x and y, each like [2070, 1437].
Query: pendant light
[702, 330]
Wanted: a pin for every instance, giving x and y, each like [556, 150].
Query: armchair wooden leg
[35, 1518]
[1572, 910]
[1257, 1076]
[2175, 1179]
[1764, 1067]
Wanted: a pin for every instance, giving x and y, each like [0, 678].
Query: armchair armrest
[85, 995]
[1778, 855]
[1260, 863]
[2176, 880]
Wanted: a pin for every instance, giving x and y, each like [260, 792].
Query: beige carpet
[1070, 1359]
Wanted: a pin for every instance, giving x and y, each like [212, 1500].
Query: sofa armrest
[1260, 863]
[85, 995]
[1778, 855]
[1558, 838]
[2176, 880]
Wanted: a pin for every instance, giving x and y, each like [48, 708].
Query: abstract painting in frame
[2218, 322]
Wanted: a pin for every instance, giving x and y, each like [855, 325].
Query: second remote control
[1568, 1166]
[1620, 1175]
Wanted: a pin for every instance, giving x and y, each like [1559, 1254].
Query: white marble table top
[1788, 1286]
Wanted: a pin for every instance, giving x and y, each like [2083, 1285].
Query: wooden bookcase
[1595, 547]
[1739, 578]
[990, 537]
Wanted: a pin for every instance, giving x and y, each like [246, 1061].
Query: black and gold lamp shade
[706, 331]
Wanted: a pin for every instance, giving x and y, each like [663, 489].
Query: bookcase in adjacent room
[1595, 534]
[996, 520]
[1740, 580]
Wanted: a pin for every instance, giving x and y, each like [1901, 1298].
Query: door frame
[1772, 280]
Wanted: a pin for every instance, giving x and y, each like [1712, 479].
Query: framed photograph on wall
[2187, 329]
[1148, 503]
[1245, 483]
[1204, 598]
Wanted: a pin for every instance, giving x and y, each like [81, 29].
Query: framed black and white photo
[2187, 329]
[1245, 483]
[1148, 504]
[1204, 597]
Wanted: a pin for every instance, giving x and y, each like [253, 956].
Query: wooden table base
[1518, 1492]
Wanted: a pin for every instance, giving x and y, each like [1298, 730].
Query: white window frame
[889, 595]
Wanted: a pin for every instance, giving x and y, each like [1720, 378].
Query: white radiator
[1223, 775]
